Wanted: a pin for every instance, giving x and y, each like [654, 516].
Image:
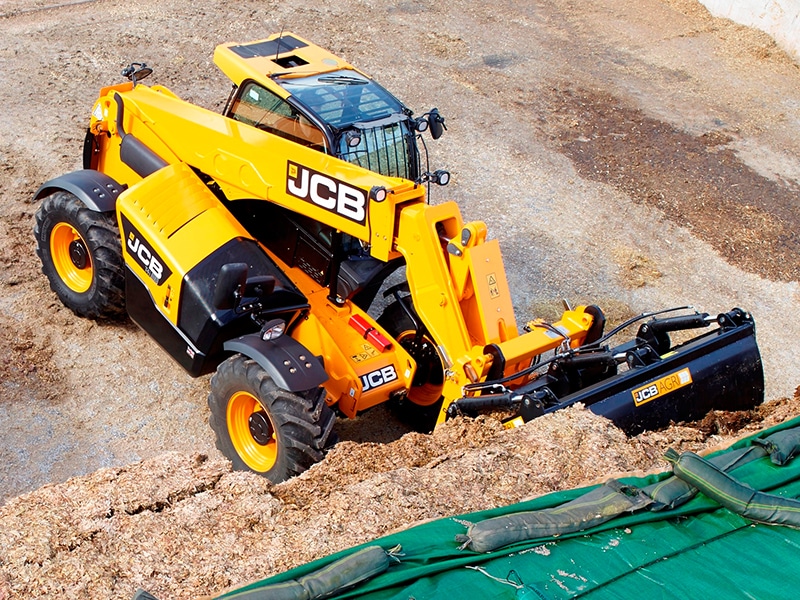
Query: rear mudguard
[96, 190]
[290, 365]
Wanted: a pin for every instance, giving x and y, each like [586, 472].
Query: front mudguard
[290, 365]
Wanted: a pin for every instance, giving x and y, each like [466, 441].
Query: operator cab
[301, 92]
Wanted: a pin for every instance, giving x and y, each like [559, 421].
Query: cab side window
[259, 107]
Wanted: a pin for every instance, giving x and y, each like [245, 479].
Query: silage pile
[183, 526]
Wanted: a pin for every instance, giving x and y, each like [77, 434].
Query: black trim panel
[144, 313]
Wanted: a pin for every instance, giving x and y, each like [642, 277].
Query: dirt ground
[635, 155]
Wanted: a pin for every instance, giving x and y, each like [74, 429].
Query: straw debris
[183, 526]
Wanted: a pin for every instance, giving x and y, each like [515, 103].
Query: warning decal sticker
[494, 291]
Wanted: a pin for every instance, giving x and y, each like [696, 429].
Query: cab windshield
[370, 127]
[342, 98]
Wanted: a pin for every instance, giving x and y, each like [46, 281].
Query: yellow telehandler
[288, 244]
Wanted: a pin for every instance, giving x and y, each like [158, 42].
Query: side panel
[361, 375]
[197, 343]
[208, 326]
[176, 237]
[147, 316]
[170, 222]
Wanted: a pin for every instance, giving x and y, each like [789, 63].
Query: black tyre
[263, 428]
[81, 254]
[420, 408]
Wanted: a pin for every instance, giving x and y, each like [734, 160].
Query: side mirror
[136, 72]
[259, 286]
[437, 123]
[231, 283]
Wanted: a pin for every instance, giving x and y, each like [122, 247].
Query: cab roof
[284, 54]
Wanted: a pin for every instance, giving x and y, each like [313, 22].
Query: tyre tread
[105, 299]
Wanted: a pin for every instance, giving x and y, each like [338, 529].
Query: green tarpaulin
[697, 550]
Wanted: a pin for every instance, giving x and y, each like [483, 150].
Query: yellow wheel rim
[427, 393]
[71, 258]
[252, 432]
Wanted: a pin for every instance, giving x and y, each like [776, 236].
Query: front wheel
[81, 254]
[263, 428]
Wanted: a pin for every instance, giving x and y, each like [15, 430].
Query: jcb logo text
[662, 387]
[144, 254]
[378, 378]
[327, 192]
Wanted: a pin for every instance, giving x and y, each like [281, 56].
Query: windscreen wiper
[342, 80]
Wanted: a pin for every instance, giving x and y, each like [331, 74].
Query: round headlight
[378, 193]
[273, 330]
[441, 177]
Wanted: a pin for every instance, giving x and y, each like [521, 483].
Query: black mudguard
[96, 190]
[290, 365]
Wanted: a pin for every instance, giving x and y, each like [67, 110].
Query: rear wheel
[263, 428]
[420, 408]
[81, 256]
